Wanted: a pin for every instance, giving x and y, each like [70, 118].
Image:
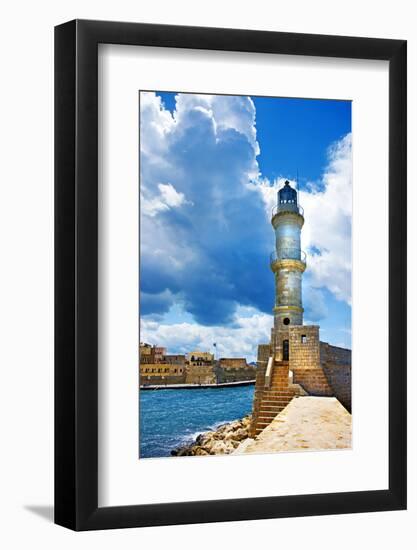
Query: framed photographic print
[230, 275]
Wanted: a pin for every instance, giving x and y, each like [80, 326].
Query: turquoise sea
[170, 418]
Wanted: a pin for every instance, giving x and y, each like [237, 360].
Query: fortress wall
[339, 377]
[200, 374]
[306, 362]
[264, 352]
[335, 354]
[336, 364]
[161, 380]
[235, 374]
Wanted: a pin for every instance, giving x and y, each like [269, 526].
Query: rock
[218, 448]
[240, 434]
[224, 440]
[199, 451]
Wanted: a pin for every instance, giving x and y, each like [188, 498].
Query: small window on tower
[303, 338]
[286, 321]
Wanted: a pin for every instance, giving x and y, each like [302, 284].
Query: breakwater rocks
[222, 441]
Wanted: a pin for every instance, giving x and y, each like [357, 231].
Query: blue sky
[210, 170]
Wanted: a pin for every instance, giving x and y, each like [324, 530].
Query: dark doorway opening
[285, 350]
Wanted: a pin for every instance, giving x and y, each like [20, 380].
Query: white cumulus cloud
[167, 198]
[328, 223]
[326, 235]
[249, 328]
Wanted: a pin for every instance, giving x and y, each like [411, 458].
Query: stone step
[270, 397]
[265, 411]
[273, 404]
[275, 391]
[277, 395]
[261, 428]
[267, 414]
[276, 409]
[265, 419]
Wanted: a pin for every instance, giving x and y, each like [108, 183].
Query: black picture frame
[76, 272]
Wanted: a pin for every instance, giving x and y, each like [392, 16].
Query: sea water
[171, 418]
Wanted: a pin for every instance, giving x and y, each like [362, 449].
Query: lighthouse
[288, 260]
[295, 362]
[288, 263]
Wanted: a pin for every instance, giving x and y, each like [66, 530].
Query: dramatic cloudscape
[210, 168]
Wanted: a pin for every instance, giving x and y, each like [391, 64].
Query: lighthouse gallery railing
[288, 207]
[288, 254]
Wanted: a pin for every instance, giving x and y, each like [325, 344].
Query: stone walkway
[306, 423]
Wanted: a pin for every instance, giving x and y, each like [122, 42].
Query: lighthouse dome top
[287, 200]
[287, 195]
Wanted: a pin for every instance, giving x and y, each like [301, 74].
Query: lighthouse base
[296, 363]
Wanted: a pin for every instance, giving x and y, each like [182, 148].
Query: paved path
[306, 423]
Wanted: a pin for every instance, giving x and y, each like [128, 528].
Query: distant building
[200, 358]
[230, 363]
[175, 359]
[156, 367]
[161, 374]
[234, 369]
[151, 354]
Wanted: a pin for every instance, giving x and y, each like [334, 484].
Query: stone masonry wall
[339, 377]
[313, 381]
[305, 360]
[200, 374]
[304, 347]
[264, 351]
[280, 335]
[234, 375]
[161, 380]
[336, 364]
[334, 354]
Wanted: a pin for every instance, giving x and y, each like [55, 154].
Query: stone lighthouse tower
[295, 362]
[288, 264]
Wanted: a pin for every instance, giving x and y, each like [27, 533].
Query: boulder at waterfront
[222, 441]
